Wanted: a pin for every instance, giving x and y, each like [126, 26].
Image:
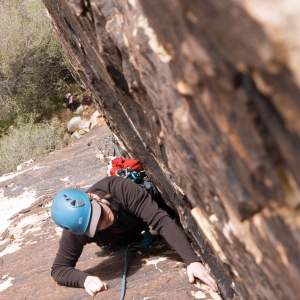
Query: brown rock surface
[30, 242]
[206, 95]
[154, 273]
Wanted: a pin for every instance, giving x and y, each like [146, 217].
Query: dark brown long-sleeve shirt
[129, 205]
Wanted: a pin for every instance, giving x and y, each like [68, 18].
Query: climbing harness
[146, 243]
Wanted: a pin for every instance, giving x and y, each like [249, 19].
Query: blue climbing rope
[124, 275]
[146, 243]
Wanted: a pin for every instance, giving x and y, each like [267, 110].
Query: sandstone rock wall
[29, 238]
[206, 95]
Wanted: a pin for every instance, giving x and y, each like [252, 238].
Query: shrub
[33, 68]
[28, 140]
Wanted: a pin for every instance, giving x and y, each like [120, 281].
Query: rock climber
[71, 103]
[113, 211]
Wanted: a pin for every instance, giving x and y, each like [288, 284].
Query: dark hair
[102, 195]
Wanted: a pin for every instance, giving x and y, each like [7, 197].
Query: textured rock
[24, 164]
[75, 166]
[156, 273]
[29, 242]
[96, 120]
[74, 124]
[84, 124]
[206, 95]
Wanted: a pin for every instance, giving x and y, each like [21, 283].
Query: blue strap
[124, 275]
[146, 243]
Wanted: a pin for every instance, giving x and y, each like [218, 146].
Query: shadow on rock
[113, 265]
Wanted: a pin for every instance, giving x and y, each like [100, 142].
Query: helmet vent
[75, 203]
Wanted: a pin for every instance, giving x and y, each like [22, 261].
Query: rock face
[206, 95]
[29, 238]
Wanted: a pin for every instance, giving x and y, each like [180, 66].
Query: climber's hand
[196, 269]
[94, 285]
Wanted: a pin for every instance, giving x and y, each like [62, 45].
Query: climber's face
[106, 218]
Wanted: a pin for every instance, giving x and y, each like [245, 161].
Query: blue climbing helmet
[72, 210]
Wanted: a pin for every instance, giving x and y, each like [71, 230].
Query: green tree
[33, 68]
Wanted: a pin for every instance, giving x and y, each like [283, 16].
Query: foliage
[33, 69]
[29, 140]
